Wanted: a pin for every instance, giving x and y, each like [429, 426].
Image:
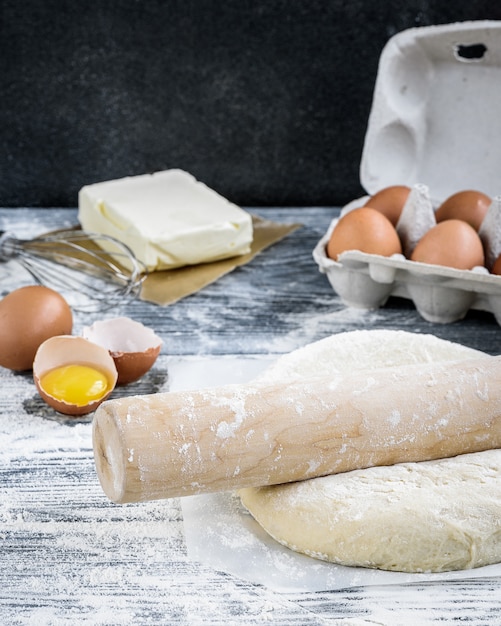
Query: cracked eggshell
[133, 346]
[71, 350]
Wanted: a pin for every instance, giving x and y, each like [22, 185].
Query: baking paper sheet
[169, 286]
[221, 534]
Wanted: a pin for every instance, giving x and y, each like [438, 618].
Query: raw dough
[413, 517]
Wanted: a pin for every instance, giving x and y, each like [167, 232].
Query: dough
[361, 350]
[413, 517]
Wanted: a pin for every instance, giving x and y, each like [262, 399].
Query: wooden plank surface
[71, 557]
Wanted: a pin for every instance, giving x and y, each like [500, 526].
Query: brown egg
[496, 268]
[469, 206]
[390, 201]
[73, 375]
[366, 230]
[28, 316]
[133, 346]
[452, 243]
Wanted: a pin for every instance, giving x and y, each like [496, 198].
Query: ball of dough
[414, 517]
[433, 516]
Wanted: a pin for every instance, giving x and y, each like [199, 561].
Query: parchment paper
[166, 287]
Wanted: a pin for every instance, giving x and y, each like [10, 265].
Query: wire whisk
[94, 272]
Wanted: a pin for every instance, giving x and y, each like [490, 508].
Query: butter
[168, 219]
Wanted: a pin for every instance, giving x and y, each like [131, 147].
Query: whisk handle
[8, 248]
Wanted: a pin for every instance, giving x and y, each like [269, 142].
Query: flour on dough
[413, 517]
[362, 350]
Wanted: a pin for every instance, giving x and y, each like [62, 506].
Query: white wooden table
[69, 556]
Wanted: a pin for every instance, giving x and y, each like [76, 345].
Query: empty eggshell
[133, 346]
[69, 350]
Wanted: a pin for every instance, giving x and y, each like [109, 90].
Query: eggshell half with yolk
[86, 374]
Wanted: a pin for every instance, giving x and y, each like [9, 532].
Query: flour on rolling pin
[264, 433]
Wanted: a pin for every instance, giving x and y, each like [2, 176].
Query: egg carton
[434, 113]
[440, 294]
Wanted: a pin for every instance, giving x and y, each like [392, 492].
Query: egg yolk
[75, 384]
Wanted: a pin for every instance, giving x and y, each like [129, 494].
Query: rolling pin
[187, 442]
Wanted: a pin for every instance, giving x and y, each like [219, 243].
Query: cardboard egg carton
[434, 115]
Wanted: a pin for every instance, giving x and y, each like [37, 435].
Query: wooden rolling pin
[180, 443]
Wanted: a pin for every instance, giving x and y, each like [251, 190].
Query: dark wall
[266, 101]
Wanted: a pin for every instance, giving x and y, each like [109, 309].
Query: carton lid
[436, 111]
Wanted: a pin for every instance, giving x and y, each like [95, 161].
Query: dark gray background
[266, 101]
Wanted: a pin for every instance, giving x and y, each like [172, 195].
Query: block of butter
[168, 219]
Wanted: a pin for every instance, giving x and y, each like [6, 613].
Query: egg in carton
[433, 116]
[441, 294]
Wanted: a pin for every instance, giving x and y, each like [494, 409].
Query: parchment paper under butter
[169, 286]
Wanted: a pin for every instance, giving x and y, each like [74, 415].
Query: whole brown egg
[28, 316]
[390, 201]
[470, 206]
[452, 243]
[366, 230]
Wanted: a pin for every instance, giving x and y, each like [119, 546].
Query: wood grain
[255, 434]
[69, 556]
